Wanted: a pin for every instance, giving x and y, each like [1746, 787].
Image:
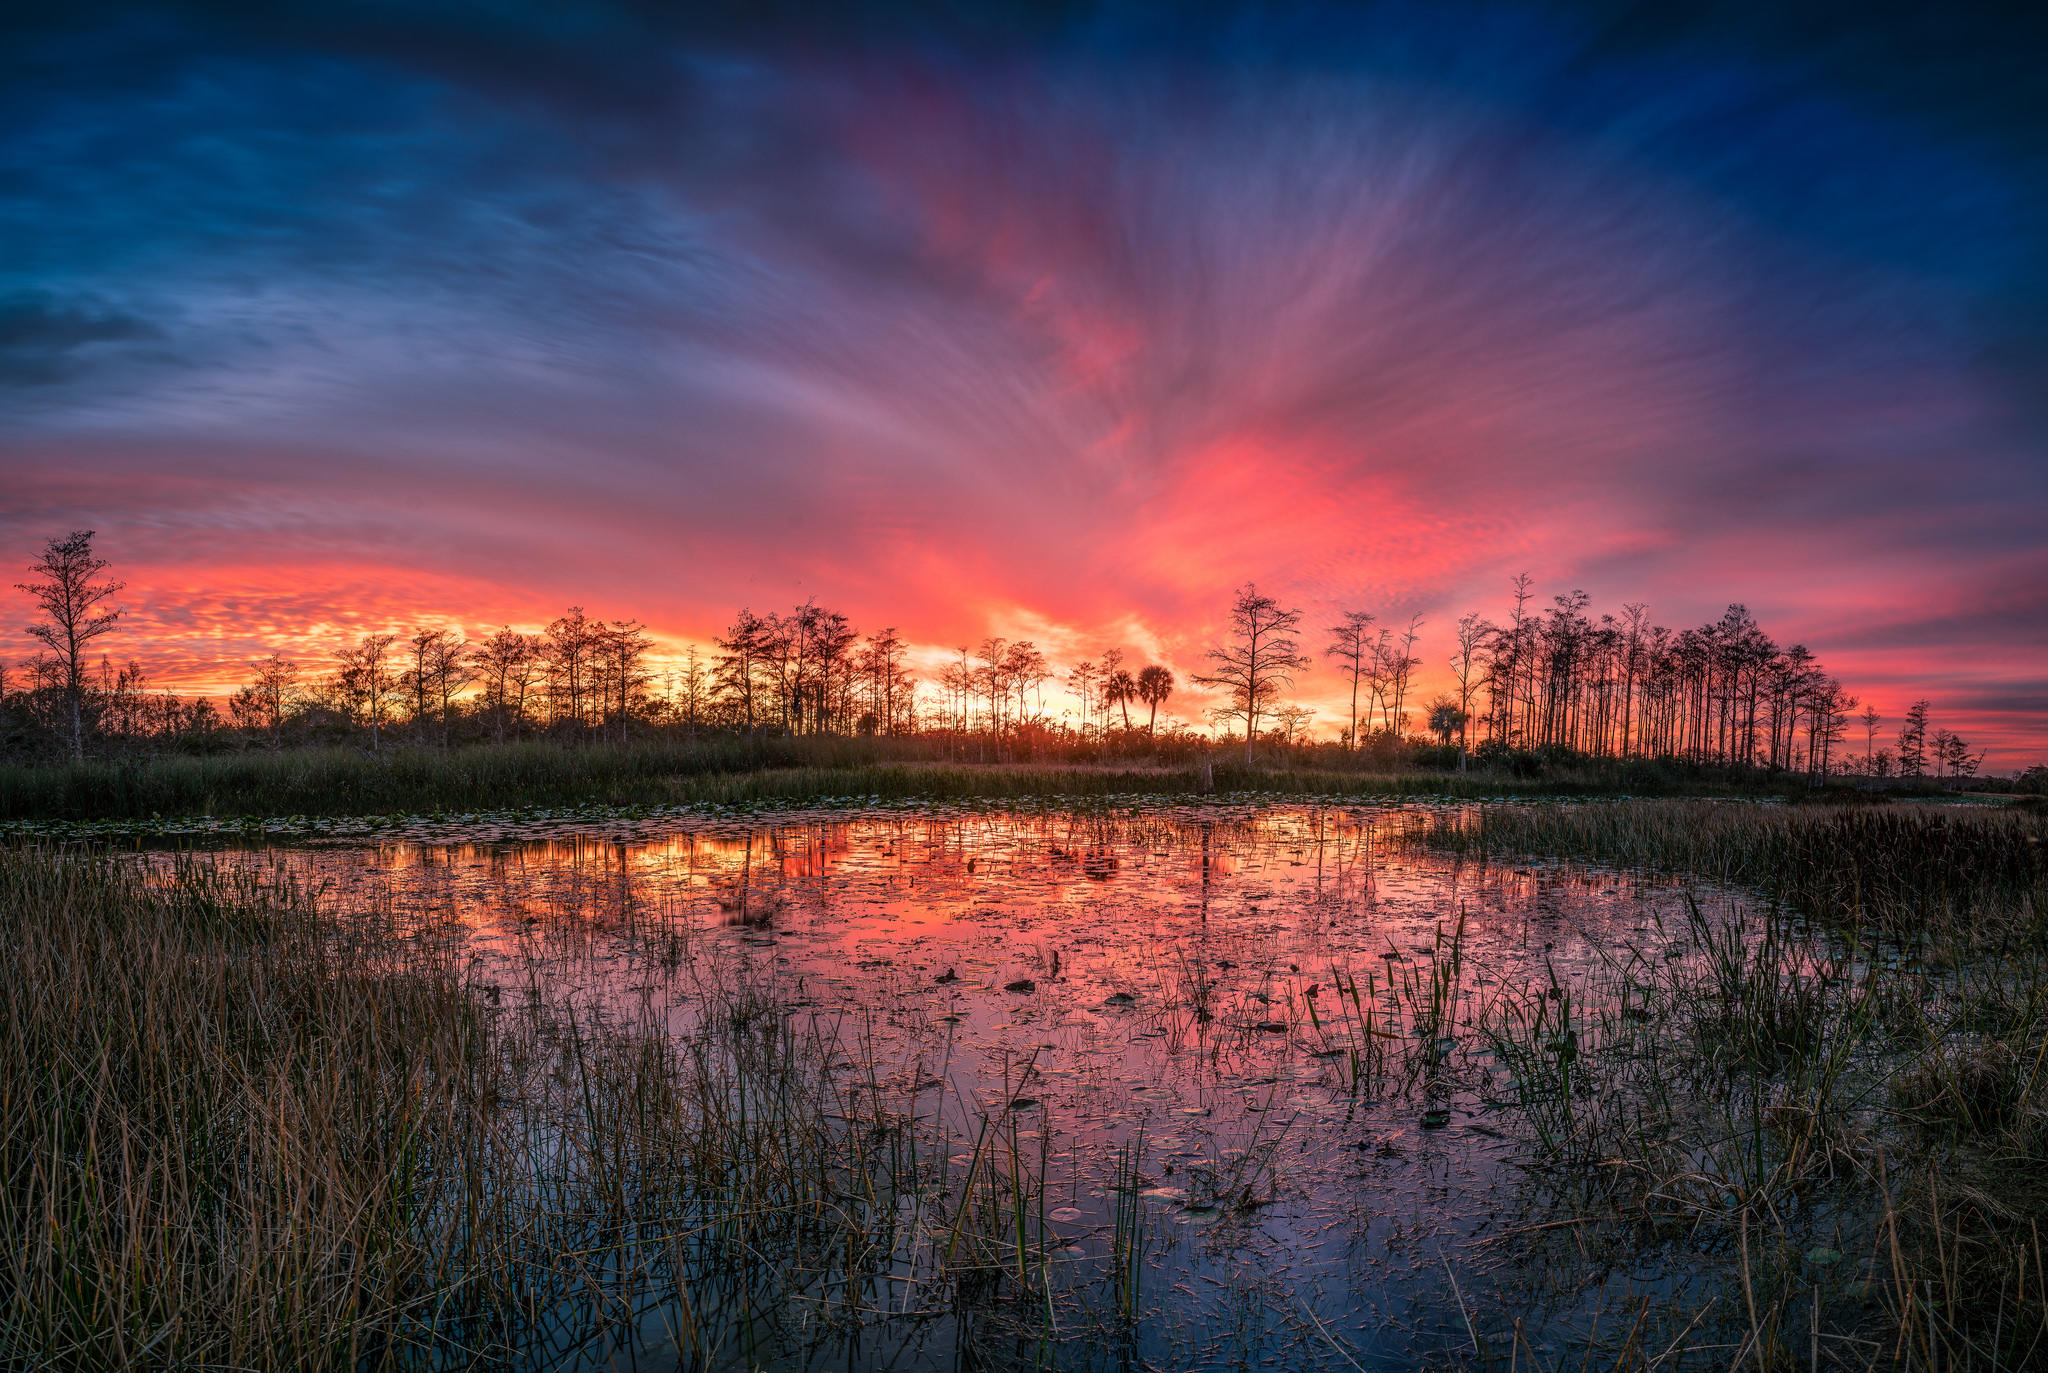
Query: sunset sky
[1047, 322]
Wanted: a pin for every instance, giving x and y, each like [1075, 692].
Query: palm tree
[1445, 719]
[1119, 688]
[1155, 684]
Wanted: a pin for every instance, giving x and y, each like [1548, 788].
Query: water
[1276, 1009]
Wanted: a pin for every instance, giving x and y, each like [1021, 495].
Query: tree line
[1551, 681]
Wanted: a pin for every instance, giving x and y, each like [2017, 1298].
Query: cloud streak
[1068, 324]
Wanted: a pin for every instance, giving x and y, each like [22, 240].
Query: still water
[1266, 1021]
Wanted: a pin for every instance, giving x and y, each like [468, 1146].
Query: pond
[1239, 1066]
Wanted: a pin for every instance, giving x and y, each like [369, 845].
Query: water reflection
[1275, 1007]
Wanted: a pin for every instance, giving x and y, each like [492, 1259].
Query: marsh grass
[239, 1131]
[244, 1127]
[1897, 867]
[1843, 1095]
[720, 769]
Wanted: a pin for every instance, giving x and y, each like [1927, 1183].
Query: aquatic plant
[237, 1131]
[1899, 867]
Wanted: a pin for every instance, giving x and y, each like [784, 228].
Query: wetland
[1235, 1083]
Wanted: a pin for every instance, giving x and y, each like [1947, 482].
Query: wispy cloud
[341, 315]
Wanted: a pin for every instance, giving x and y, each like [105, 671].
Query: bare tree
[69, 597]
[416, 680]
[1350, 649]
[265, 701]
[570, 643]
[738, 668]
[693, 689]
[880, 664]
[1291, 720]
[1401, 665]
[507, 660]
[1082, 677]
[1259, 657]
[1105, 700]
[618, 670]
[364, 681]
[1474, 633]
[453, 670]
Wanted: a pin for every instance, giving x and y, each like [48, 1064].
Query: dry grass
[1852, 1113]
[1901, 866]
[239, 1132]
[722, 769]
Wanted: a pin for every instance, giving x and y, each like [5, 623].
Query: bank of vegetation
[729, 769]
[1556, 693]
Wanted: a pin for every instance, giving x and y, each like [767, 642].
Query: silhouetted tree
[1400, 665]
[619, 671]
[1026, 671]
[1120, 688]
[1290, 720]
[742, 655]
[1259, 656]
[1473, 636]
[1913, 740]
[1445, 719]
[264, 702]
[694, 690]
[508, 662]
[815, 669]
[888, 685]
[454, 669]
[567, 649]
[66, 592]
[1350, 649]
[956, 679]
[1082, 677]
[1871, 720]
[416, 679]
[1722, 693]
[1155, 684]
[364, 683]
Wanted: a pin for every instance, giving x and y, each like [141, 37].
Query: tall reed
[1898, 866]
[240, 1131]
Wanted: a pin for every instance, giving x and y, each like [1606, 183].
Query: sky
[1052, 322]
